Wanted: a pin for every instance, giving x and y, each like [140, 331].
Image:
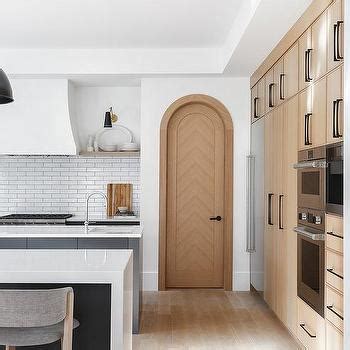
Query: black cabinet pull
[334, 235]
[302, 325]
[335, 42]
[307, 68]
[307, 129]
[282, 77]
[339, 57]
[271, 97]
[269, 206]
[280, 211]
[256, 99]
[330, 308]
[334, 273]
[338, 101]
[216, 218]
[334, 119]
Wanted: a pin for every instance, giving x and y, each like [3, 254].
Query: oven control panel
[312, 218]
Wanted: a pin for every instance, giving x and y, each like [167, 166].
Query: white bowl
[130, 146]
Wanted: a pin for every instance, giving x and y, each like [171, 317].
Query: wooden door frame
[228, 168]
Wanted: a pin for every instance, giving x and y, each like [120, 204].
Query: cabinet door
[305, 49]
[318, 123]
[278, 76]
[335, 111]
[254, 103]
[335, 34]
[305, 110]
[319, 47]
[334, 338]
[288, 239]
[290, 81]
[270, 217]
[261, 97]
[270, 101]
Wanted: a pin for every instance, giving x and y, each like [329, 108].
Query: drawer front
[334, 338]
[13, 243]
[334, 307]
[334, 270]
[102, 243]
[52, 243]
[311, 328]
[334, 229]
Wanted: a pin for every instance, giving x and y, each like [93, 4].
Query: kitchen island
[109, 272]
[75, 237]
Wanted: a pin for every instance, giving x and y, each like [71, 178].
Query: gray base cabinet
[91, 243]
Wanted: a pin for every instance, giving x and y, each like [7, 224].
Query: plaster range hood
[41, 119]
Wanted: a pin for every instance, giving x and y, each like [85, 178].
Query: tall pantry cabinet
[300, 97]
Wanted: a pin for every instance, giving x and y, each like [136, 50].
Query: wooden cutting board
[118, 195]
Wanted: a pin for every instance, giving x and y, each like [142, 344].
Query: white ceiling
[103, 41]
[116, 23]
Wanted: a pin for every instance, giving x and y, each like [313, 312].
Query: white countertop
[61, 231]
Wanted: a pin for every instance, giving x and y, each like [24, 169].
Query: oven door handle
[314, 236]
[317, 164]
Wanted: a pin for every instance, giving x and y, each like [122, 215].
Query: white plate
[114, 136]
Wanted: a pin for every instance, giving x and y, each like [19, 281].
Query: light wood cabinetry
[335, 110]
[258, 100]
[305, 48]
[319, 47]
[334, 338]
[278, 77]
[335, 32]
[281, 129]
[303, 85]
[334, 233]
[310, 327]
[334, 307]
[270, 91]
[290, 81]
[312, 115]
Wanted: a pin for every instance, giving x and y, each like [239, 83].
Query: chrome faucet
[86, 223]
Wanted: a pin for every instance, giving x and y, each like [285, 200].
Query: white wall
[91, 103]
[156, 96]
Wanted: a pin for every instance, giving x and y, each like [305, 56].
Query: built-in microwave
[311, 178]
[334, 179]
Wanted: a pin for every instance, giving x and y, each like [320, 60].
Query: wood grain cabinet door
[319, 47]
[195, 194]
[305, 49]
[278, 79]
[335, 111]
[254, 103]
[290, 79]
[335, 32]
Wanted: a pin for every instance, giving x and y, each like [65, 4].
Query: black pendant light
[5, 89]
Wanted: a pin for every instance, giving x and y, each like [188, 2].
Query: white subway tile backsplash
[60, 184]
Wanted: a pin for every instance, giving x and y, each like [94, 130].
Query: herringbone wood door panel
[195, 192]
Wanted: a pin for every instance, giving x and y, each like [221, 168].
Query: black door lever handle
[217, 218]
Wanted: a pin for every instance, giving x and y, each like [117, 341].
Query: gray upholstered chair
[36, 317]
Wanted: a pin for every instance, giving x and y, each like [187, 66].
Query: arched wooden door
[196, 214]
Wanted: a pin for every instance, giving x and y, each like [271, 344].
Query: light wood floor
[209, 319]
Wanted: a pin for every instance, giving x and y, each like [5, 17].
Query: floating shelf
[110, 154]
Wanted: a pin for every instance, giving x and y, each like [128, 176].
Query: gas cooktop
[34, 219]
